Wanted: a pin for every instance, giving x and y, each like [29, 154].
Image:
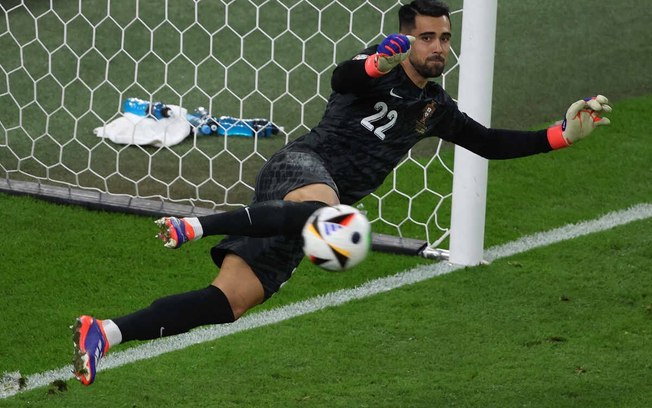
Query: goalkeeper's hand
[581, 118]
[392, 51]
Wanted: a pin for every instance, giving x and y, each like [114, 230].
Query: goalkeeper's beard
[432, 67]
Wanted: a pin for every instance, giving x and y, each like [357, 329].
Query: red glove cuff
[371, 66]
[556, 137]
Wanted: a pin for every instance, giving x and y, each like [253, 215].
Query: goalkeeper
[382, 104]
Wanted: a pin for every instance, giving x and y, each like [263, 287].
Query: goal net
[67, 68]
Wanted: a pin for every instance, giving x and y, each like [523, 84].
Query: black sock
[176, 314]
[264, 219]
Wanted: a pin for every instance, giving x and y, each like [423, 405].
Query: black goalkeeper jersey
[371, 123]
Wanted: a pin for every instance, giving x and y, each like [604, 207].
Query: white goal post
[470, 170]
[68, 67]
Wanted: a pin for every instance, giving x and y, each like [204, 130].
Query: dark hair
[408, 12]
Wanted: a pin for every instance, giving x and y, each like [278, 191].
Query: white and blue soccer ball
[337, 238]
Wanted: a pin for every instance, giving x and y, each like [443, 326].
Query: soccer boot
[174, 232]
[90, 346]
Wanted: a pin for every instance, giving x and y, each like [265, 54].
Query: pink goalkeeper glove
[392, 51]
[581, 118]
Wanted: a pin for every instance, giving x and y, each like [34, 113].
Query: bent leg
[267, 218]
[289, 188]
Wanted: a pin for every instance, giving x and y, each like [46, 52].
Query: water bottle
[230, 126]
[209, 127]
[264, 127]
[160, 110]
[196, 117]
[206, 125]
[202, 121]
[144, 108]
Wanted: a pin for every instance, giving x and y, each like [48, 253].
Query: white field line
[9, 381]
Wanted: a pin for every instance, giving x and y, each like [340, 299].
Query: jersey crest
[428, 111]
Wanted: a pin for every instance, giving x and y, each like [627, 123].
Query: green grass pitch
[566, 325]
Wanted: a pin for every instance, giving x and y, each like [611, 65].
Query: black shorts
[274, 259]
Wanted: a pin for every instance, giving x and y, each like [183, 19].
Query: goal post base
[100, 201]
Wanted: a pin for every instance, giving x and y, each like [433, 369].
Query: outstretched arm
[581, 118]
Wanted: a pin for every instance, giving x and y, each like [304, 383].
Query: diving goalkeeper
[382, 104]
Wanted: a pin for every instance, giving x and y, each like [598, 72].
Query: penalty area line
[10, 383]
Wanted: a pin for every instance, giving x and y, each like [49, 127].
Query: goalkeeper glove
[392, 51]
[581, 118]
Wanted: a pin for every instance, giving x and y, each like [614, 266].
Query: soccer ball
[336, 238]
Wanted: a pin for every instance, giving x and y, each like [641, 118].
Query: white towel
[140, 130]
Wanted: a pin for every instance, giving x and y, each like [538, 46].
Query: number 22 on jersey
[383, 111]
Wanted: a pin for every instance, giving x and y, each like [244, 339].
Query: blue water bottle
[196, 117]
[144, 108]
[202, 121]
[263, 127]
[160, 110]
[209, 127]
